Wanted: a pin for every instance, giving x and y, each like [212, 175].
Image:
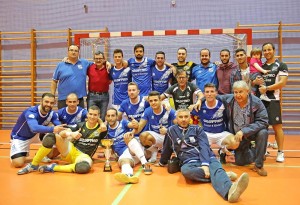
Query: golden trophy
[107, 143]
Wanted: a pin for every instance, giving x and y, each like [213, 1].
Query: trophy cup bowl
[107, 143]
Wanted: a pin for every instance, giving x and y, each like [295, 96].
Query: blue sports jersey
[212, 119]
[31, 121]
[72, 119]
[204, 75]
[160, 78]
[134, 110]
[121, 78]
[119, 146]
[154, 121]
[142, 74]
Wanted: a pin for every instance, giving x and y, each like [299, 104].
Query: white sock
[136, 148]
[127, 169]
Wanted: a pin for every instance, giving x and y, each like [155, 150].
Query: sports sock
[127, 169]
[136, 148]
[65, 168]
[41, 153]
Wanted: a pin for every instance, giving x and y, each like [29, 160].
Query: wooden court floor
[281, 186]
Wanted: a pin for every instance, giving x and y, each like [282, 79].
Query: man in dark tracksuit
[190, 144]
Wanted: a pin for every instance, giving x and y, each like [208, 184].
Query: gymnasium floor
[98, 187]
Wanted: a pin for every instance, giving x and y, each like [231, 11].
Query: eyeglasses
[72, 50]
[181, 78]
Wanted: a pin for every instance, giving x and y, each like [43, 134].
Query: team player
[140, 67]
[121, 76]
[77, 148]
[212, 115]
[275, 80]
[127, 159]
[161, 73]
[33, 120]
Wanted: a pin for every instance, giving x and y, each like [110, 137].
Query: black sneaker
[222, 157]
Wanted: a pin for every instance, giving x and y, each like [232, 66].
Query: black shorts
[274, 111]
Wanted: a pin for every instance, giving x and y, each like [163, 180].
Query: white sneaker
[274, 145]
[280, 157]
[46, 159]
[264, 97]
[231, 175]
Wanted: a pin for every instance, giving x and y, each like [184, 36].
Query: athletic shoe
[222, 156]
[126, 178]
[274, 145]
[27, 169]
[231, 175]
[280, 157]
[46, 159]
[47, 168]
[265, 98]
[261, 171]
[147, 169]
[238, 187]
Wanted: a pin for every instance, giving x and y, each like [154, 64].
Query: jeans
[218, 177]
[101, 100]
[245, 155]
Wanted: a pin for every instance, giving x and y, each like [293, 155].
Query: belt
[98, 93]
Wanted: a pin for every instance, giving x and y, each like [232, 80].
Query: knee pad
[49, 140]
[82, 167]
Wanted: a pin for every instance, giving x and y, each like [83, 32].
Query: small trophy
[107, 143]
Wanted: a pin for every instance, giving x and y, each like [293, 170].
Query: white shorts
[127, 155]
[115, 106]
[18, 146]
[217, 138]
[159, 139]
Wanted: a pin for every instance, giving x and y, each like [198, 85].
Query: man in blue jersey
[161, 73]
[121, 76]
[213, 119]
[33, 120]
[140, 67]
[127, 158]
[155, 121]
[70, 77]
[205, 72]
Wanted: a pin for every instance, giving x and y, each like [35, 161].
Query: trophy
[107, 143]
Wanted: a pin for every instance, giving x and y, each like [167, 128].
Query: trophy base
[107, 168]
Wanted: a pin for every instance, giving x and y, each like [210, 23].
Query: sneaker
[47, 168]
[27, 169]
[261, 171]
[147, 169]
[222, 156]
[238, 187]
[274, 145]
[231, 175]
[46, 159]
[265, 98]
[126, 179]
[280, 157]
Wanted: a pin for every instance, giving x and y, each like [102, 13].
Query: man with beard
[140, 67]
[205, 72]
[33, 120]
[224, 71]
[182, 64]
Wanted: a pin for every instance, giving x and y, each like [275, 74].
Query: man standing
[248, 120]
[33, 120]
[224, 71]
[243, 70]
[190, 144]
[205, 72]
[121, 76]
[275, 80]
[70, 75]
[182, 64]
[99, 81]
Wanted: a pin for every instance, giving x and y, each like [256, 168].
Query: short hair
[75, 46]
[72, 94]
[269, 43]
[160, 52]
[50, 95]
[99, 53]
[94, 107]
[138, 46]
[210, 85]
[205, 49]
[182, 48]
[256, 51]
[240, 84]
[114, 109]
[179, 72]
[182, 110]
[154, 93]
[133, 83]
[240, 50]
[118, 51]
[225, 49]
